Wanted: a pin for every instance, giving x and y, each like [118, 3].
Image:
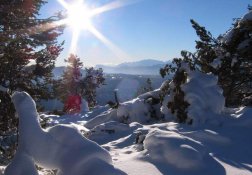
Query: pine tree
[25, 38]
[73, 82]
[69, 84]
[205, 48]
[94, 79]
[233, 51]
[228, 57]
[178, 105]
[235, 70]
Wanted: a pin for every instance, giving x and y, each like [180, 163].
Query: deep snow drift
[60, 147]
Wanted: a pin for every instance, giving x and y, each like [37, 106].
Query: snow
[228, 36]
[60, 147]
[3, 89]
[84, 105]
[204, 96]
[140, 146]
[135, 110]
[173, 148]
[202, 93]
[216, 63]
[247, 17]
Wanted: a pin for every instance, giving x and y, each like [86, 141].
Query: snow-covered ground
[170, 148]
[131, 140]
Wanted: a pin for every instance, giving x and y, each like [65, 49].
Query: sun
[79, 16]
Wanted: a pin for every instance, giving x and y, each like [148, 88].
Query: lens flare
[79, 17]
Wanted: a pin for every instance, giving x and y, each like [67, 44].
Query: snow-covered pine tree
[25, 38]
[229, 57]
[178, 105]
[235, 69]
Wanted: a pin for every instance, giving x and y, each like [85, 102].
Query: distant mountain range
[143, 67]
[58, 71]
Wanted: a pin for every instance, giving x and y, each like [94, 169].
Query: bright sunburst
[79, 17]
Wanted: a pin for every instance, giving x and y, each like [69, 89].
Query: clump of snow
[247, 17]
[3, 89]
[109, 115]
[174, 149]
[84, 105]
[229, 35]
[135, 110]
[216, 63]
[61, 147]
[204, 96]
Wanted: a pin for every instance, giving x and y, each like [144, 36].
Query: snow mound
[133, 111]
[139, 110]
[204, 96]
[174, 149]
[61, 147]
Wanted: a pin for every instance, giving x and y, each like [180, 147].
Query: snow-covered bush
[194, 97]
[204, 96]
[236, 61]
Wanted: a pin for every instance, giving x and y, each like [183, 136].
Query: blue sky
[148, 29]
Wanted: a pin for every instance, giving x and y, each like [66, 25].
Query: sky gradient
[147, 29]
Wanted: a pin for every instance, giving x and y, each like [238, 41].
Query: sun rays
[79, 18]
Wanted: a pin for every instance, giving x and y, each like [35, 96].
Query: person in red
[73, 104]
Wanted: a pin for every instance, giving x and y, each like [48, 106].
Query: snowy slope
[178, 149]
[217, 143]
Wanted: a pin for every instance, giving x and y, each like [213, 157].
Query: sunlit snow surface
[178, 149]
[60, 147]
[143, 147]
[219, 143]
